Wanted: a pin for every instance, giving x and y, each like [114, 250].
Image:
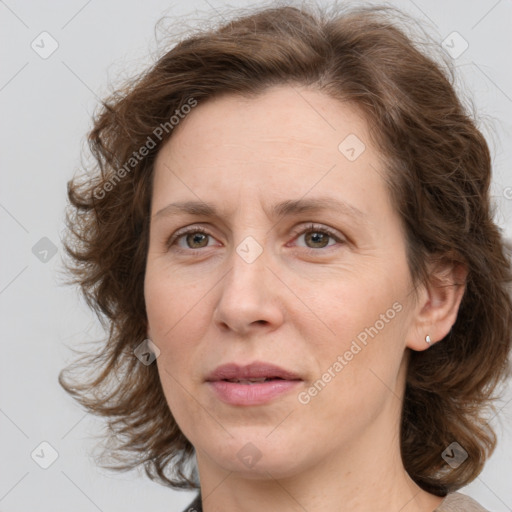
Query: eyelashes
[315, 233]
[326, 232]
[185, 233]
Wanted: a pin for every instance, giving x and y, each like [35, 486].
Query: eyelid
[185, 231]
[298, 231]
[313, 227]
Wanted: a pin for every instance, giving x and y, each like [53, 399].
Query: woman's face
[322, 291]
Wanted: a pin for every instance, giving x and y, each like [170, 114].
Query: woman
[292, 242]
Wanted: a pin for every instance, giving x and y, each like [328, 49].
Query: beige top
[454, 502]
[457, 502]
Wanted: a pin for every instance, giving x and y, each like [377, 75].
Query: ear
[438, 304]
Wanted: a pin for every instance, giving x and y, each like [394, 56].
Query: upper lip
[255, 370]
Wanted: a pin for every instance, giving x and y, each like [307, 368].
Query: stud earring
[427, 339]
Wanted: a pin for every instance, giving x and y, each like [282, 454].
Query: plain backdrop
[48, 92]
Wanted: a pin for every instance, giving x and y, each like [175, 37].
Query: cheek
[359, 357]
[173, 316]
[356, 307]
[177, 324]
[170, 304]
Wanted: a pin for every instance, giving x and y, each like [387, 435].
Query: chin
[259, 457]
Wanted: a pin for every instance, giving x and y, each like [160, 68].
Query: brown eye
[196, 240]
[318, 239]
[190, 240]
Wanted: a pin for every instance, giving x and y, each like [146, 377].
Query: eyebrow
[282, 209]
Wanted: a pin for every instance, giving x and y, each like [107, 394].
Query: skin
[299, 305]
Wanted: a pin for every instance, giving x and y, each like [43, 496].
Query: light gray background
[46, 109]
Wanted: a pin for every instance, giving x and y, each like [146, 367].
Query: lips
[254, 372]
[254, 384]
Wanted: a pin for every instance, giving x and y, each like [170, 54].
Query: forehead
[286, 142]
[286, 118]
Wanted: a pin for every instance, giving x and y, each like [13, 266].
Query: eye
[190, 239]
[317, 237]
[196, 238]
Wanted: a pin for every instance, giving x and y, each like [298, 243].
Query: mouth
[254, 384]
[253, 372]
[253, 381]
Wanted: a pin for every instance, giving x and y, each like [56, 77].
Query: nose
[248, 301]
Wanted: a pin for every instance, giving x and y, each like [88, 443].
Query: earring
[427, 339]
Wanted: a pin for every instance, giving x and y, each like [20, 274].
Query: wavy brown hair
[439, 173]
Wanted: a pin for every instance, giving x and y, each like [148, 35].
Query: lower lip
[251, 394]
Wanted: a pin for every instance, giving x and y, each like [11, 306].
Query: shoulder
[457, 502]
